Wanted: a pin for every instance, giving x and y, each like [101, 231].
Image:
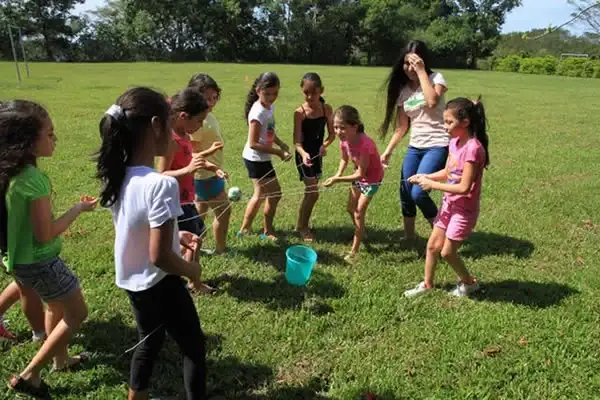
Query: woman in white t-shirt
[145, 206]
[416, 95]
[258, 151]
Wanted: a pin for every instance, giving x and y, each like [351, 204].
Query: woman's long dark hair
[21, 122]
[397, 79]
[473, 111]
[264, 81]
[121, 135]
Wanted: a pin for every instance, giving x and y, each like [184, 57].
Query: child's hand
[415, 179]
[87, 203]
[216, 146]
[306, 160]
[197, 162]
[188, 241]
[385, 159]
[323, 151]
[285, 155]
[330, 181]
[425, 183]
[221, 174]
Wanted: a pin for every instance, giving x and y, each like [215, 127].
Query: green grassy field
[532, 333]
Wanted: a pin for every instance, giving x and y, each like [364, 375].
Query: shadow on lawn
[275, 255]
[227, 376]
[526, 293]
[279, 294]
[482, 244]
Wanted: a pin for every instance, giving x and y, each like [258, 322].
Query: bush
[577, 67]
[539, 65]
[487, 64]
[508, 64]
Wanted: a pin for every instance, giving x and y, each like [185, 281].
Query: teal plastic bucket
[299, 264]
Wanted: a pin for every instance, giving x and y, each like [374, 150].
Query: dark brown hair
[122, 134]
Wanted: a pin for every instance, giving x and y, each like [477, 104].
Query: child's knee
[434, 247]
[448, 254]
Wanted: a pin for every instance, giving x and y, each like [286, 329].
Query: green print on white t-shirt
[415, 102]
[270, 132]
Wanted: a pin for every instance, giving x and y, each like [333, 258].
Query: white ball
[234, 193]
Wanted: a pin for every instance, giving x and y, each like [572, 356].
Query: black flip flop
[18, 384]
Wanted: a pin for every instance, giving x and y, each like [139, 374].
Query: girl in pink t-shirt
[468, 156]
[357, 146]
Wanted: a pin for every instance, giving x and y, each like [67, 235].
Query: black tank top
[313, 132]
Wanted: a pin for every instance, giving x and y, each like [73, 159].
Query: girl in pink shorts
[465, 121]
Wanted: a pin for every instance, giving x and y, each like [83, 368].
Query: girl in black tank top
[310, 121]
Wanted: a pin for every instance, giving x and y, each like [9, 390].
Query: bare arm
[253, 137]
[163, 256]
[360, 173]
[45, 228]
[464, 186]
[431, 92]
[298, 117]
[280, 143]
[330, 132]
[402, 125]
[439, 176]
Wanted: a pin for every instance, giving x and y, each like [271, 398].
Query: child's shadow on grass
[482, 244]
[526, 293]
[345, 234]
[279, 294]
[227, 376]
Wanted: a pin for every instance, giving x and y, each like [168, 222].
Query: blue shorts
[208, 189]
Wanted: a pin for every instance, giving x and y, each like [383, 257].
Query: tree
[484, 18]
[49, 19]
[588, 11]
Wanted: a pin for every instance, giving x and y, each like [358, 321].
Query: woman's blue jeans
[420, 161]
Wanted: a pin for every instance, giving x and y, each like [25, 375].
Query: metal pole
[23, 51]
[12, 44]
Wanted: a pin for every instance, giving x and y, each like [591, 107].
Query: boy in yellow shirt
[210, 185]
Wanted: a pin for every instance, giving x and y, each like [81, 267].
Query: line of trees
[368, 32]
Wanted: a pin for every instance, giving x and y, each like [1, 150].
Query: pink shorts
[458, 225]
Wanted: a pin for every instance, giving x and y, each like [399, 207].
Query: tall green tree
[49, 19]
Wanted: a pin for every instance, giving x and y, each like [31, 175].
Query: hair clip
[115, 111]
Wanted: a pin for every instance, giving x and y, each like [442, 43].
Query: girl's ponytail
[479, 127]
[473, 111]
[251, 98]
[122, 130]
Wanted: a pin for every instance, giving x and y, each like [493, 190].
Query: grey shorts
[50, 279]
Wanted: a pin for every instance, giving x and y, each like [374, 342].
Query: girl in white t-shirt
[258, 151]
[145, 206]
[416, 95]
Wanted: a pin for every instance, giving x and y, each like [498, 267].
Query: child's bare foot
[351, 258]
[201, 288]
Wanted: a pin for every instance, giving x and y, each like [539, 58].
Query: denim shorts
[51, 279]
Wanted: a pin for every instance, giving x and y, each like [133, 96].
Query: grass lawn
[532, 333]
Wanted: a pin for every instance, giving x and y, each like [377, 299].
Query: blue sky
[532, 14]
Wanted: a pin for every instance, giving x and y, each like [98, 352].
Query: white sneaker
[419, 289]
[463, 290]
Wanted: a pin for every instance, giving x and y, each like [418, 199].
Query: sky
[532, 14]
